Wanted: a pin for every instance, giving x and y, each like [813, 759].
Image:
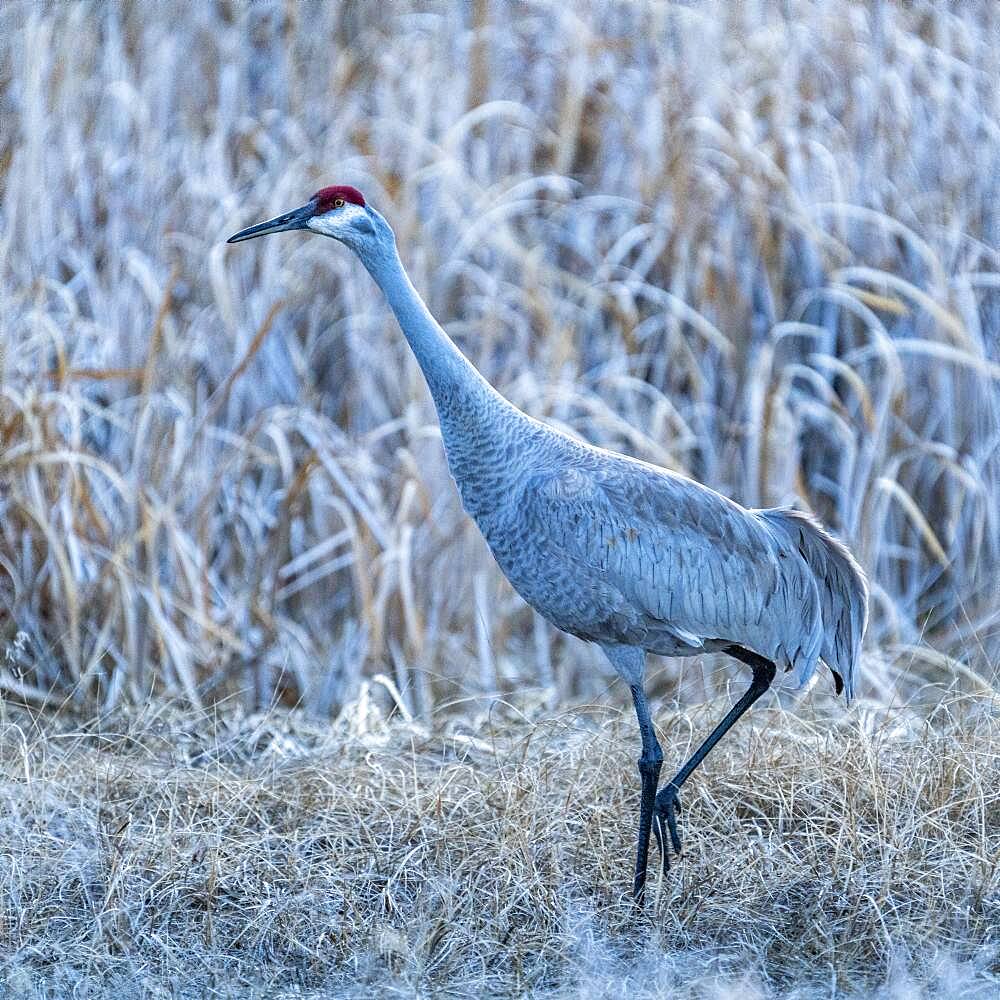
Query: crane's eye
[338, 202]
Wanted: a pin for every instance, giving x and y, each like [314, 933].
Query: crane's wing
[693, 569]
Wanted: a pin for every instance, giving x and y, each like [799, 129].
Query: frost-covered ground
[263, 855]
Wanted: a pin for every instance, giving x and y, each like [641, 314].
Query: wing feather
[689, 569]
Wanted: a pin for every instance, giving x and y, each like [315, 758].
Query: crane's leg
[667, 806]
[630, 662]
[649, 772]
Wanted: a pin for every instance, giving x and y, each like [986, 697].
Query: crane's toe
[666, 809]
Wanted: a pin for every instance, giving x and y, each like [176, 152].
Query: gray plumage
[619, 552]
[614, 550]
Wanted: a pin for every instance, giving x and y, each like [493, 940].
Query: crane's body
[616, 551]
[620, 552]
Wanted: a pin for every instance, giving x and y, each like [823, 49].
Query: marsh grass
[756, 242]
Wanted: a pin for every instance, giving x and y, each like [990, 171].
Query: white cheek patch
[320, 224]
[341, 222]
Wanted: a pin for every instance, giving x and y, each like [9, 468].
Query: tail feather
[843, 592]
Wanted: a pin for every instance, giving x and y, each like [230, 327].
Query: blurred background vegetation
[754, 242]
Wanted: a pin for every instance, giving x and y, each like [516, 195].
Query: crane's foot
[666, 809]
[649, 771]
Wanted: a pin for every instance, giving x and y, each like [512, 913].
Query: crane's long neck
[482, 431]
[447, 371]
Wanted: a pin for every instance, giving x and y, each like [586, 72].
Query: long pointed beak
[296, 219]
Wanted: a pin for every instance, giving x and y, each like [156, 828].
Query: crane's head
[338, 211]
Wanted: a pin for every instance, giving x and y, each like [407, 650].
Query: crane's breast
[543, 538]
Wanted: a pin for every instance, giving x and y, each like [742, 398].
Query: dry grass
[756, 242]
[187, 856]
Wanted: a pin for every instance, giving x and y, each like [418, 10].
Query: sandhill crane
[614, 550]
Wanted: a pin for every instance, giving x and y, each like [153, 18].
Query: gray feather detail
[843, 591]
